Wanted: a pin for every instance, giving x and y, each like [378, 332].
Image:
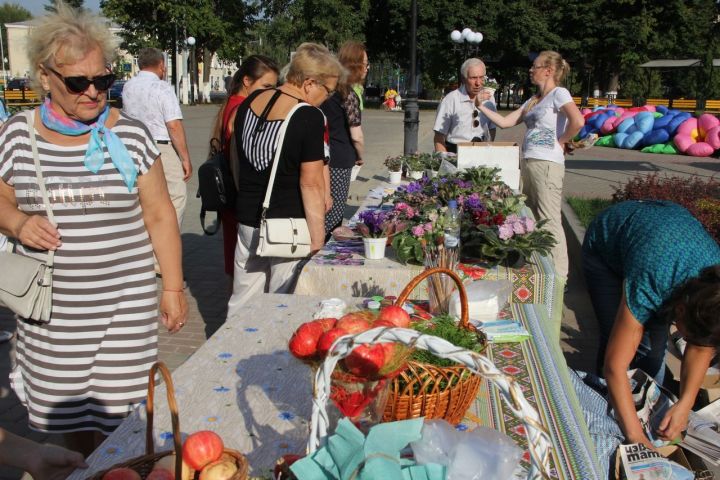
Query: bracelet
[174, 291]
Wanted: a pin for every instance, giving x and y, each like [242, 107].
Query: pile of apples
[203, 458]
[312, 340]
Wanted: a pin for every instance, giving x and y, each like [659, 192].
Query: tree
[10, 13]
[76, 4]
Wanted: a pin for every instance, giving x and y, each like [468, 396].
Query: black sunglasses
[81, 84]
[476, 120]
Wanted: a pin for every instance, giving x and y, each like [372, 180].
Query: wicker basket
[443, 392]
[539, 443]
[144, 464]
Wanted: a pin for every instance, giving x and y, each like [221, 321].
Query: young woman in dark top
[299, 188]
[342, 111]
[256, 72]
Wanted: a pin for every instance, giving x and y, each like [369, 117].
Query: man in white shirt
[457, 119]
[149, 98]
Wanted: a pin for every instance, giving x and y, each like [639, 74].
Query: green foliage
[446, 327]
[10, 13]
[76, 4]
[483, 242]
[587, 208]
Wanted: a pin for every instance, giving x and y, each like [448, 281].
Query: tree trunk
[207, 64]
[613, 82]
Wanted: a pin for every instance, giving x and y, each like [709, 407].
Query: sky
[36, 6]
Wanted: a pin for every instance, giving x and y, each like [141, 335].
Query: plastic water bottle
[452, 226]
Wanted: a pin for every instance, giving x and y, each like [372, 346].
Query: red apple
[303, 343]
[354, 322]
[122, 474]
[220, 470]
[384, 323]
[201, 448]
[160, 474]
[327, 339]
[366, 360]
[325, 323]
[168, 463]
[396, 315]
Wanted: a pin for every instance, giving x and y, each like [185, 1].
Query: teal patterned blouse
[654, 246]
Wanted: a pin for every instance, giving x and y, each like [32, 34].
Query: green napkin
[348, 455]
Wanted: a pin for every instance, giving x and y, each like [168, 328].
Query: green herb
[445, 327]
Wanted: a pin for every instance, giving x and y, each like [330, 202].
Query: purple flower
[428, 227]
[518, 227]
[505, 231]
[413, 187]
[418, 230]
[473, 201]
[529, 224]
[512, 218]
[374, 220]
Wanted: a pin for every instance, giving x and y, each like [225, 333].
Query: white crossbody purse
[26, 283]
[282, 237]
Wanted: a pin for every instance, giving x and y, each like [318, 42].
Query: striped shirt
[87, 367]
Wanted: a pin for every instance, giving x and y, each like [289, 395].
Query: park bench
[684, 105]
[597, 102]
[657, 101]
[21, 98]
[623, 102]
[578, 101]
[712, 106]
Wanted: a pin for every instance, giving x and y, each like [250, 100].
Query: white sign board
[504, 155]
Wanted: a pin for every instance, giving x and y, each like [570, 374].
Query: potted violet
[394, 165]
[375, 227]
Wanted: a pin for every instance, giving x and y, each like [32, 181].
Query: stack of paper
[503, 331]
[703, 433]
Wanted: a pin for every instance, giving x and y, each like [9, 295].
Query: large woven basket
[144, 464]
[539, 443]
[424, 390]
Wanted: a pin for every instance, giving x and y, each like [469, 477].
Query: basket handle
[464, 316]
[175, 418]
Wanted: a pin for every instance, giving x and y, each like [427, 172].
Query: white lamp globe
[478, 37]
[190, 41]
[466, 33]
[456, 36]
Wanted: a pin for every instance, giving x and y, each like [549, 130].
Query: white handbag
[282, 237]
[26, 283]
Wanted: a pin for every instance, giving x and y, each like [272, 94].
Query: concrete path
[589, 173]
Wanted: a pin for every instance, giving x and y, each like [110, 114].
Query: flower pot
[431, 173]
[415, 174]
[395, 178]
[515, 260]
[375, 248]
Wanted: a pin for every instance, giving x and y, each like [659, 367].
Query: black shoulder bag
[216, 189]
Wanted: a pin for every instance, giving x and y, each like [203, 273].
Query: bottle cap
[373, 305]
[452, 203]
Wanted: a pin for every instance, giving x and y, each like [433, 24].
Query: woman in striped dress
[84, 371]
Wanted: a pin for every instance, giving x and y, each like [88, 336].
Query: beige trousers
[177, 188]
[542, 183]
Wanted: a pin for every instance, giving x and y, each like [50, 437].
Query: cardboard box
[505, 155]
[671, 452]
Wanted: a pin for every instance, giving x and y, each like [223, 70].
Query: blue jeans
[605, 288]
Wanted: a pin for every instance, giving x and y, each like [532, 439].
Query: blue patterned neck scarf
[99, 135]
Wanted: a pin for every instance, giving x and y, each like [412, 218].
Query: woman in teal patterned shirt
[649, 264]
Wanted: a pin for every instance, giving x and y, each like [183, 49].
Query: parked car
[18, 84]
[115, 93]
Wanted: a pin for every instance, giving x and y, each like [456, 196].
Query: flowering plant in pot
[375, 227]
[415, 166]
[394, 165]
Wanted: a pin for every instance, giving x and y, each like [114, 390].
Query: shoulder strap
[276, 159]
[30, 116]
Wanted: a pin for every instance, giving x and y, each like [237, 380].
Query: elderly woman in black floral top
[342, 110]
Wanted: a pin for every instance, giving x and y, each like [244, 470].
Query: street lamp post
[2, 55]
[191, 43]
[412, 112]
[467, 42]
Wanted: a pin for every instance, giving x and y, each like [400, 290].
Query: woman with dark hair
[343, 113]
[256, 72]
[650, 264]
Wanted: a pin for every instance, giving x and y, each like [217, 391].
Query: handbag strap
[30, 116]
[276, 159]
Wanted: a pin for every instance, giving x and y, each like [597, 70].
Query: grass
[587, 208]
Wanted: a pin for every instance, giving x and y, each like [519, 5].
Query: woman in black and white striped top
[86, 369]
[300, 188]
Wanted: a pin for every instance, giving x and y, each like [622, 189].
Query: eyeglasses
[80, 84]
[476, 120]
[536, 67]
[329, 92]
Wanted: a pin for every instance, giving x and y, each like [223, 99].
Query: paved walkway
[589, 173]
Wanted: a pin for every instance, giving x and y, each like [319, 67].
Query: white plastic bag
[484, 454]
[437, 442]
[485, 299]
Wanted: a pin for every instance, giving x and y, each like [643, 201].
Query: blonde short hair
[65, 37]
[315, 61]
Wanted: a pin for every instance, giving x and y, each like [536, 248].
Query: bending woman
[347, 144]
[299, 189]
[650, 264]
[552, 120]
[84, 371]
[256, 72]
